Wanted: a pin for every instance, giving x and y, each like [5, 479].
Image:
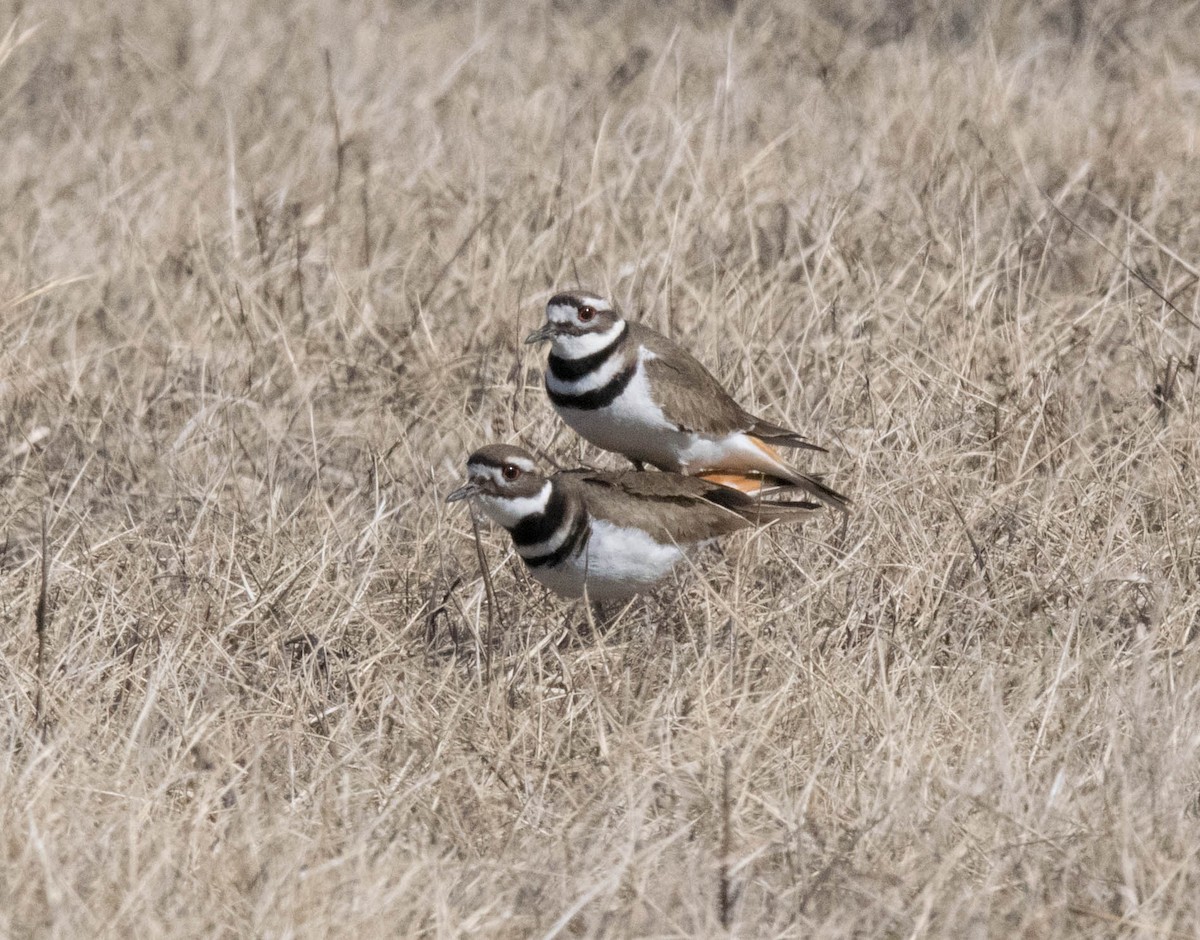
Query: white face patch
[508, 511]
[577, 347]
[560, 313]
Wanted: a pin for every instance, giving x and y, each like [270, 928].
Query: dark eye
[587, 314]
[511, 471]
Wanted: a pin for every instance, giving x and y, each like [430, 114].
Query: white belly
[617, 563]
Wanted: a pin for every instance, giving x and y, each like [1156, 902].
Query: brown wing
[691, 396]
[687, 392]
[682, 509]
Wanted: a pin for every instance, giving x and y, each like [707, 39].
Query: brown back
[671, 507]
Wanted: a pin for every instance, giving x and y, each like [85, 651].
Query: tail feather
[779, 473]
[762, 485]
[790, 511]
[737, 494]
[815, 487]
[780, 436]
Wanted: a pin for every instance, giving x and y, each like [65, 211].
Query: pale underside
[616, 563]
[635, 425]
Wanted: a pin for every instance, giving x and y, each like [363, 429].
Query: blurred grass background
[264, 274]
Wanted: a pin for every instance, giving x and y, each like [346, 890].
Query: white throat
[578, 347]
[508, 511]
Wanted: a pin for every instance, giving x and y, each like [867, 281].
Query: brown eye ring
[510, 471]
[587, 314]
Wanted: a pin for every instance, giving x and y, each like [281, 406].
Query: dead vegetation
[263, 277]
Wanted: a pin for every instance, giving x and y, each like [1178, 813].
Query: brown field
[264, 272]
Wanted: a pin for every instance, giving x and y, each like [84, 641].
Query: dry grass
[263, 273]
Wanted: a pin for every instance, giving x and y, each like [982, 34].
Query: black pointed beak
[466, 491]
[543, 334]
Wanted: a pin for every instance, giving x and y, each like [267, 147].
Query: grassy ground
[264, 271]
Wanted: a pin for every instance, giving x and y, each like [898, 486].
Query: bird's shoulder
[683, 387]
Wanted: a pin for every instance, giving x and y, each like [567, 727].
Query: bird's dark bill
[465, 491]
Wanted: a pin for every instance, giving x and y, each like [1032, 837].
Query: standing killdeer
[614, 533]
[629, 389]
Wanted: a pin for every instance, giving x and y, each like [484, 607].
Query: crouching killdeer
[614, 533]
[629, 389]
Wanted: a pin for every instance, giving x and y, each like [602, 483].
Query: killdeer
[614, 533]
[629, 389]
